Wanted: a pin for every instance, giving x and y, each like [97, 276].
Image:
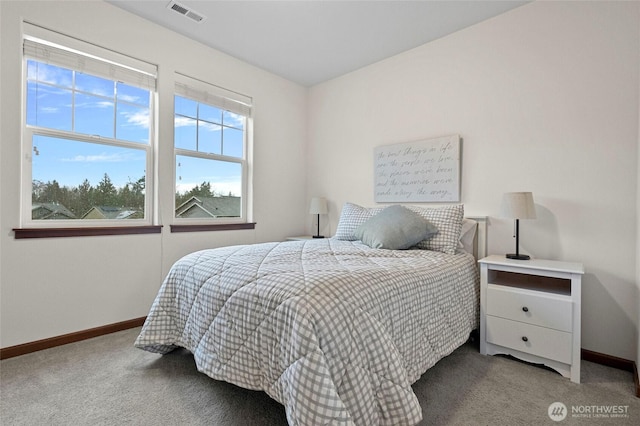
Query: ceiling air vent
[185, 11]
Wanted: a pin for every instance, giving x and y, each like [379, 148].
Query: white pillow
[351, 217]
[448, 220]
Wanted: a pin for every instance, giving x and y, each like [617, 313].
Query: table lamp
[518, 205]
[318, 207]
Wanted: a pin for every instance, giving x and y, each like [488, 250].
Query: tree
[82, 198]
[52, 193]
[37, 190]
[106, 193]
[203, 190]
[139, 185]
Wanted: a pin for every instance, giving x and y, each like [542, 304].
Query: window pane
[51, 74]
[233, 120]
[210, 113]
[132, 94]
[207, 188]
[132, 123]
[96, 85]
[79, 180]
[185, 133]
[94, 115]
[93, 106]
[232, 142]
[186, 107]
[209, 138]
[48, 106]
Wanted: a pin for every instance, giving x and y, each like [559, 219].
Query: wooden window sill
[20, 233]
[213, 227]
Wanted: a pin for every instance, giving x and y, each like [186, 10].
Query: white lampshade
[518, 205]
[318, 205]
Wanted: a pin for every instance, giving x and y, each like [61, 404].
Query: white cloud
[236, 120]
[98, 104]
[129, 98]
[184, 122]
[210, 126]
[100, 158]
[139, 118]
[190, 122]
[50, 74]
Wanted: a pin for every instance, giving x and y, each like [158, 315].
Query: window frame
[93, 53]
[225, 100]
[27, 181]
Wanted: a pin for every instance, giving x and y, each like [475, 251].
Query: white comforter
[334, 330]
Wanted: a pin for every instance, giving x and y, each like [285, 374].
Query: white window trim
[33, 33]
[204, 92]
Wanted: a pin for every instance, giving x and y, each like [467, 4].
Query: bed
[335, 329]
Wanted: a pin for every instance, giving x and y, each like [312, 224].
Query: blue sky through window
[203, 128]
[70, 162]
[61, 99]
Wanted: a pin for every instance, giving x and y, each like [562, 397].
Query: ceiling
[308, 41]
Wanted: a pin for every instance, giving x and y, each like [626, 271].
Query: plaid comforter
[334, 330]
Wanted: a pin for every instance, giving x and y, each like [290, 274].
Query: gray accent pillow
[395, 228]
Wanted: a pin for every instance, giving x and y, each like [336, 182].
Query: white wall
[545, 98]
[50, 287]
[638, 236]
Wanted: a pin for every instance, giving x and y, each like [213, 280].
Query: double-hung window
[88, 134]
[211, 133]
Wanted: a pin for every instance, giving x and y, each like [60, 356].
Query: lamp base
[318, 236]
[518, 256]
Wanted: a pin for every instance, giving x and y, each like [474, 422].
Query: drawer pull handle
[525, 309]
[525, 339]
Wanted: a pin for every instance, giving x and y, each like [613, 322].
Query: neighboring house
[111, 212]
[208, 207]
[46, 211]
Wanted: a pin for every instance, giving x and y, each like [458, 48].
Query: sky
[95, 106]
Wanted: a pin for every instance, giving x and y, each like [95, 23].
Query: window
[88, 134]
[210, 142]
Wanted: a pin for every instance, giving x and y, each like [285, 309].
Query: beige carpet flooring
[106, 381]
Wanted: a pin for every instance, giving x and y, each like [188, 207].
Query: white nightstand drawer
[540, 341]
[532, 307]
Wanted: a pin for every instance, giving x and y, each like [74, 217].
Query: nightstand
[530, 309]
[300, 238]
